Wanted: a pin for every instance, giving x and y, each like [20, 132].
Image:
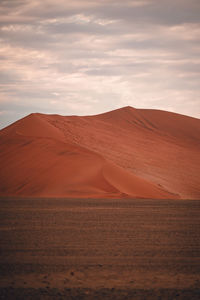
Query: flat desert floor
[99, 249]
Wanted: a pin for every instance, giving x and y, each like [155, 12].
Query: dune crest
[127, 152]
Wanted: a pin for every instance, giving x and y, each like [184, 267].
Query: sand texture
[125, 153]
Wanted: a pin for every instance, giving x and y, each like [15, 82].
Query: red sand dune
[123, 153]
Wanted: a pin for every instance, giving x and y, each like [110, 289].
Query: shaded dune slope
[122, 153]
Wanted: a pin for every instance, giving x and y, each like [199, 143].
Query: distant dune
[127, 152]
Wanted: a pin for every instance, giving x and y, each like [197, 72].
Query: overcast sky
[90, 56]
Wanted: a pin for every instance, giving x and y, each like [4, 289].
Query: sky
[83, 57]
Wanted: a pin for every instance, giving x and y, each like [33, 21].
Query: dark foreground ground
[99, 249]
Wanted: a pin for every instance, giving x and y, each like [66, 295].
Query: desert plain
[100, 249]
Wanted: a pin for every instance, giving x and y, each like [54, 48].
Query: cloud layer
[88, 56]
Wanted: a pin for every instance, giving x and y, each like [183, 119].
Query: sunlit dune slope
[123, 153]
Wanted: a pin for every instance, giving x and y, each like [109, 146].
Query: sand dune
[123, 153]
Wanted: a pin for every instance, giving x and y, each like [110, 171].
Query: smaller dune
[46, 167]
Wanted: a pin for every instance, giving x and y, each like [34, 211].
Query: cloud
[87, 56]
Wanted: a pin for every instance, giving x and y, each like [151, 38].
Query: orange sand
[123, 153]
